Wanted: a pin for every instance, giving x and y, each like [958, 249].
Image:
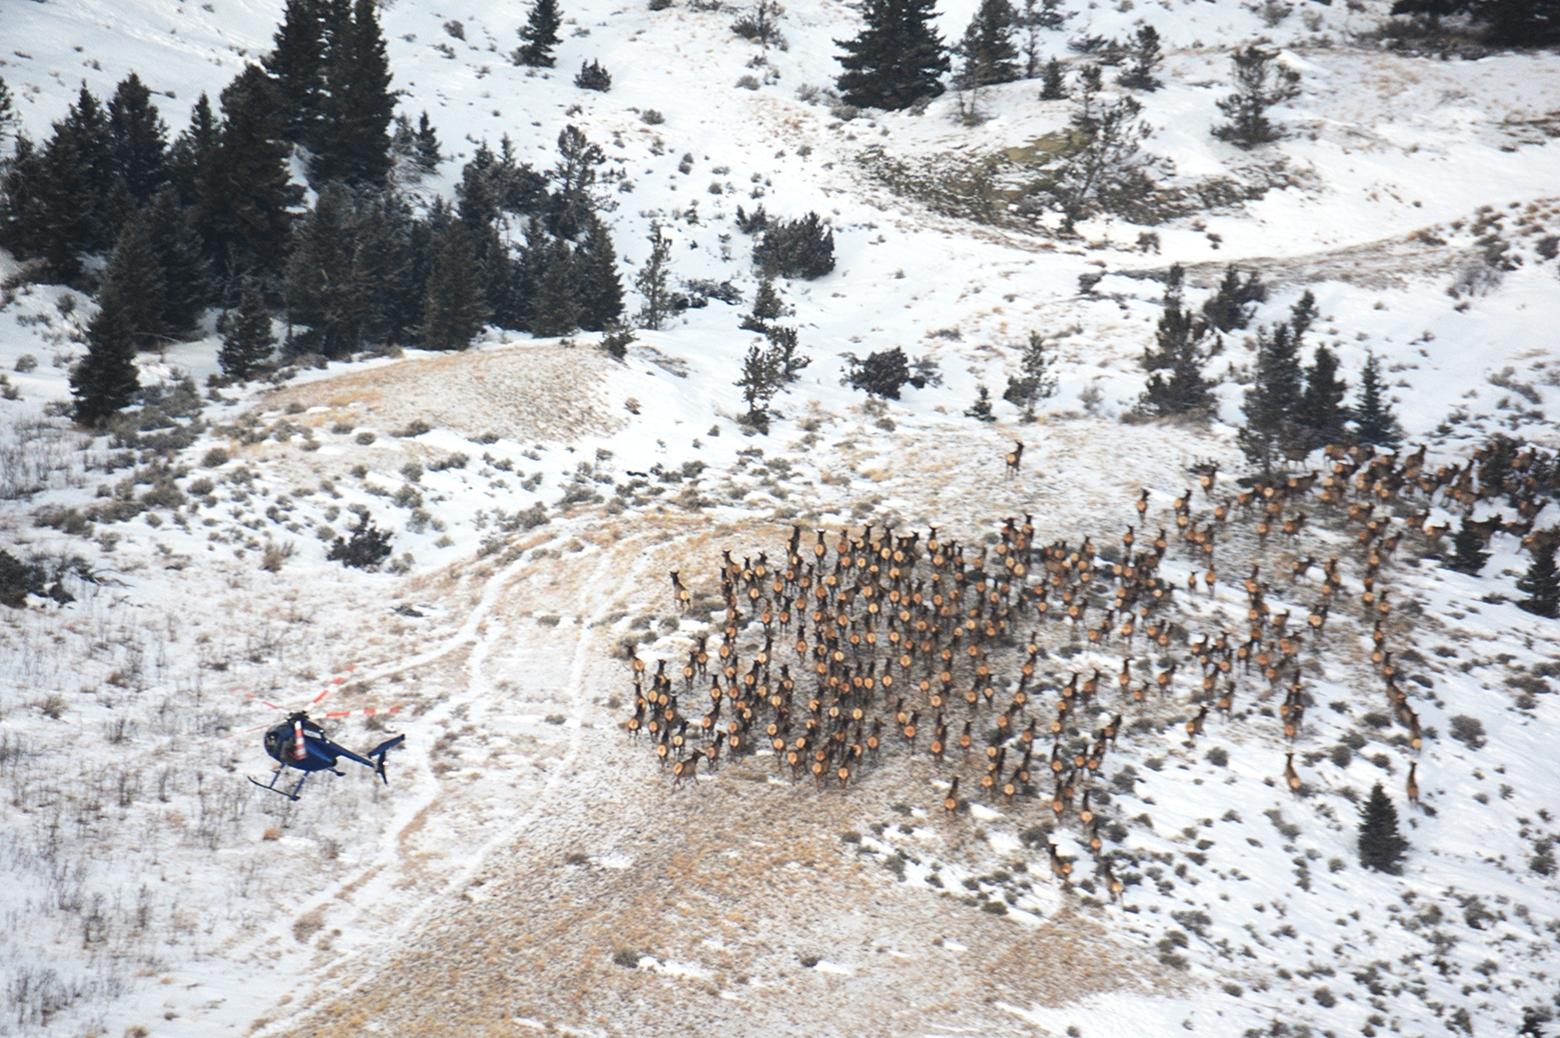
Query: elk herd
[1015, 665]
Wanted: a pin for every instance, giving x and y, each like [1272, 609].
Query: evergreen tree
[1036, 379]
[1303, 314]
[525, 274]
[8, 119]
[181, 258]
[571, 203]
[1260, 83]
[75, 188]
[1273, 398]
[352, 139]
[23, 228]
[135, 280]
[557, 310]
[1321, 414]
[767, 307]
[1053, 86]
[189, 158]
[802, 248]
[297, 64]
[652, 281]
[1381, 846]
[599, 290]
[783, 342]
[1143, 61]
[540, 35]
[1434, 8]
[1176, 385]
[453, 308]
[897, 59]
[980, 410]
[1231, 305]
[105, 380]
[138, 140]
[428, 155]
[337, 271]
[1029, 21]
[1519, 23]
[988, 50]
[1105, 165]
[1468, 554]
[593, 76]
[1541, 583]
[759, 383]
[616, 342]
[245, 194]
[1374, 422]
[247, 340]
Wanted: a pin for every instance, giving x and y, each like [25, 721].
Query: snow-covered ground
[530, 867]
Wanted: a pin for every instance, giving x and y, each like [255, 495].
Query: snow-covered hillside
[530, 867]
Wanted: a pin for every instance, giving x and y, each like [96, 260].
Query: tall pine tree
[1381, 845]
[989, 54]
[1374, 422]
[1519, 23]
[247, 340]
[1321, 414]
[454, 309]
[1541, 582]
[1143, 61]
[598, 288]
[352, 140]
[1468, 554]
[245, 194]
[1036, 379]
[336, 276]
[652, 281]
[74, 190]
[297, 64]
[1260, 83]
[897, 59]
[1271, 402]
[134, 279]
[105, 380]
[189, 157]
[540, 35]
[138, 139]
[1183, 344]
[557, 309]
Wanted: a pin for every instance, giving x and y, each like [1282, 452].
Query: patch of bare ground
[635, 910]
[532, 392]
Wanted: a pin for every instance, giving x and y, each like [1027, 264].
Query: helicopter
[300, 743]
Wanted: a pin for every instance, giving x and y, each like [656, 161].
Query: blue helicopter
[300, 743]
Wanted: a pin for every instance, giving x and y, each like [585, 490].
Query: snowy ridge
[529, 866]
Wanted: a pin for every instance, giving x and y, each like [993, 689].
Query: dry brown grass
[527, 391]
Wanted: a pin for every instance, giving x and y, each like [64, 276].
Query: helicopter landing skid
[271, 788]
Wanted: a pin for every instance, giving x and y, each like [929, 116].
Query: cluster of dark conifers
[846, 646]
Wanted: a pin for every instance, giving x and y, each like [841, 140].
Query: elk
[1291, 777]
[1194, 727]
[1061, 868]
[1412, 786]
[1112, 883]
[1014, 456]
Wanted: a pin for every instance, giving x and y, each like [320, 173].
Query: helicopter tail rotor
[377, 755]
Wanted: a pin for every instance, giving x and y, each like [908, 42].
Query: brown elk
[1014, 457]
[1194, 727]
[1291, 777]
[1412, 786]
